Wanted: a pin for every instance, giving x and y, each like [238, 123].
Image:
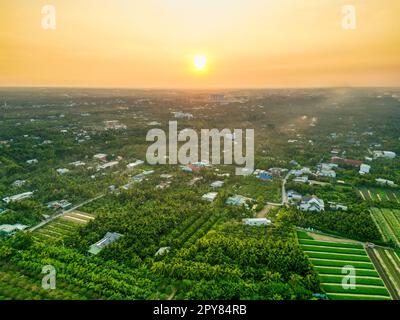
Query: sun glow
[200, 62]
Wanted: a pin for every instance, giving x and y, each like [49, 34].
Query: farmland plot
[62, 227]
[388, 222]
[329, 258]
[379, 195]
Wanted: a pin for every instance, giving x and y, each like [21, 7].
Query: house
[294, 196]
[62, 171]
[385, 182]
[100, 156]
[217, 184]
[327, 173]
[32, 161]
[163, 185]
[77, 164]
[257, 222]
[162, 251]
[210, 196]
[139, 177]
[384, 154]
[8, 229]
[304, 170]
[264, 175]
[328, 166]
[302, 179]
[182, 115]
[312, 204]
[63, 204]
[337, 206]
[18, 183]
[364, 169]
[186, 169]
[107, 165]
[166, 176]
[348, 162]
[114, 125]
[18, 197]
[238, 200]
[134, 164]
[109, 238]
[276, 172]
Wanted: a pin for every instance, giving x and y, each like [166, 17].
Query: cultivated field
[379, 195]
[388, 222]
[329, 258]
[63, 226]
[390, 262]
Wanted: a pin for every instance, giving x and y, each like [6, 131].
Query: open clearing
[62, 226]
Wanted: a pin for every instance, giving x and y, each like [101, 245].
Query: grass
[379, 195]
[330, 244]
[359, 280]
[388, 223]
[62, 227]
[360, 252]
[359, 289]
[391, 264]
[338, 271]
[341, 296]
[329, 258]
[337, 256]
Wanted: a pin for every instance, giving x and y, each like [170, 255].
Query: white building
[18, 183]
[18, 197]
[32, 161]
[107, 165]
[62, 171]
[182, 115]
[294, 196]
[257, 221]
[77, 164]
[303, 179]
[364, 169]
[100, 156]
[337, 206]
[385, 182]
[134, 164]
[313, 204]
[114, 125]
[162, 251]
[210, 196]
[217, 184]
[384, 154]
[327, 173]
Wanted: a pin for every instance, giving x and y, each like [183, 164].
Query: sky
[247, 43]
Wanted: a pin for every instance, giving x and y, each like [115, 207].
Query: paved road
[285, 200]
[43, 223]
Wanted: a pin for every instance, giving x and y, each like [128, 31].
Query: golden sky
[248, 43]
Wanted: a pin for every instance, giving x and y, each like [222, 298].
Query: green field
[62, 227]
[329, 258]
[379, 195]
[388, 223]
[390, 261]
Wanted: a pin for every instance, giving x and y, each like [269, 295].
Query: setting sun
[200, 62]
